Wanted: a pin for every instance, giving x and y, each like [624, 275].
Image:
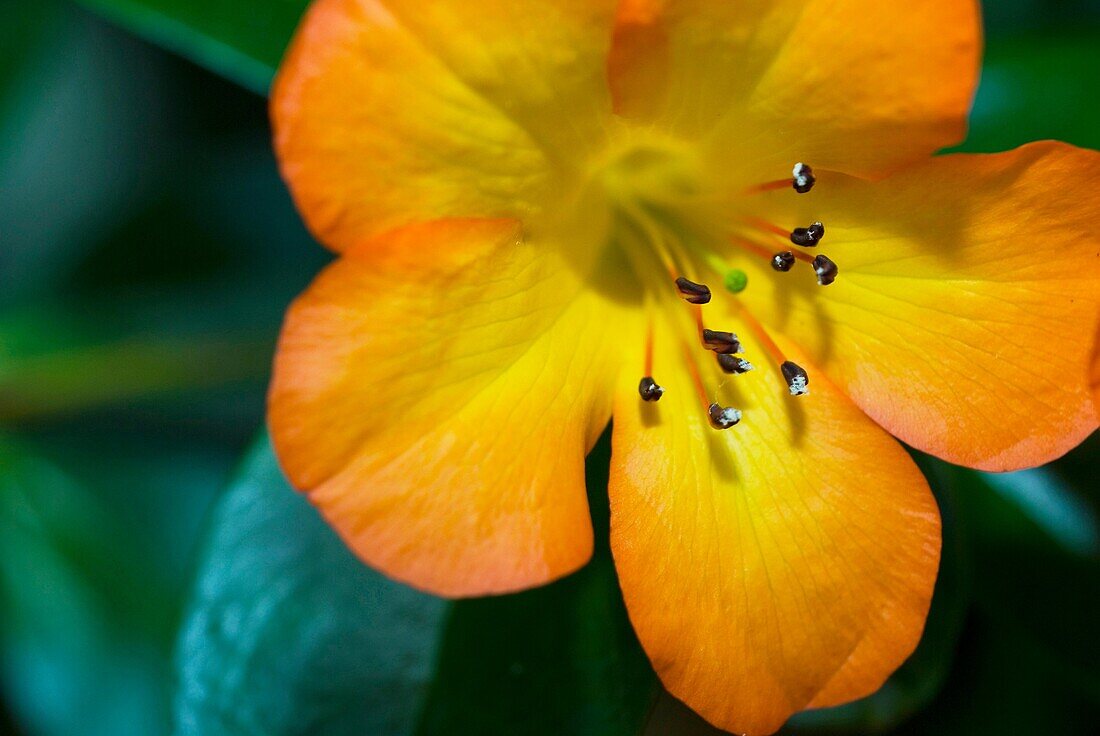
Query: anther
[733, 364]
[804, 179]
[808, 237]
[649, 390]
[692, 292]
[723, 417]
[783, 261]
[797, 380]
[721, 342]
[826, 270]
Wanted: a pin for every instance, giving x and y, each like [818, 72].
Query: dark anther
[649, 390]
[733, 364]
[723, 417]
[797, 380]
[803, 180]
[783, 261]
[826, 270]
[721, 342]
[693, 292]
[808, 237]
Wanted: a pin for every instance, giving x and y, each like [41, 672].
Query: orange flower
[528, 199]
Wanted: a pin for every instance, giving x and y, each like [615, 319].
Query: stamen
[649, 349]
[692, 292]
[721, 342]
[696, 379]
[783, 261]
[723, 417]
[768, 227]
[796, 378]
[733, 364]
[752, 247]
[826, 270]
[769, 186]
[808, 237]
[698, 314]
[649, 390]
[804, 178]
[767, 253]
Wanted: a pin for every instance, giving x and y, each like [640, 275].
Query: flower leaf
[239, 39]
[76, 657]
[1037, 570]
[288, 633]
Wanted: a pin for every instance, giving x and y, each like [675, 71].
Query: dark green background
[152, 581]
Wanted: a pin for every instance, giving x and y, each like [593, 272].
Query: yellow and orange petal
[965, 314]
[390, 112]
[783, 564]
[1094, 373]
[859, 86]
[435, 392]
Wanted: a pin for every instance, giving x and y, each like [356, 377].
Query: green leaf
[1033, 575]
[243, 40]
[1025, 78]
[1004, 685]
[20, 42]
[71, 659]
[58, 361]
[1052, 505]
[290, 634]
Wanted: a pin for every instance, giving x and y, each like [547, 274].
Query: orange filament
[769, 253]
[698, 311]
[752, 247]
[696, 378]
[649, 351]
[802, 256]
[762, 335]
[768, 227]
[769, 186]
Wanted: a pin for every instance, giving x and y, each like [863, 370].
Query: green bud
[736, 280]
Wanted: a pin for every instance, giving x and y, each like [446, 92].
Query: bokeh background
[157, 576]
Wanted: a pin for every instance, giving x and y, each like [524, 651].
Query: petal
[786, 562]
[850, 85]
[1094, 374]
[435, 392]
[388, 112]
[965, 312]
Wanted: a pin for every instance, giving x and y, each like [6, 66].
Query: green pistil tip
[736, 280]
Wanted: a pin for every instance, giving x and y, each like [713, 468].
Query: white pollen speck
[799, 386]
[745, 365]
[731, 415]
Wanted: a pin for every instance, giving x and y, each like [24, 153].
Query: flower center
[679, 237]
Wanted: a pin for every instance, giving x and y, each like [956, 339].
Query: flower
[538, 207]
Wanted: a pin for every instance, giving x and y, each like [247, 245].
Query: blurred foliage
[243, 39]
[148, 251]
